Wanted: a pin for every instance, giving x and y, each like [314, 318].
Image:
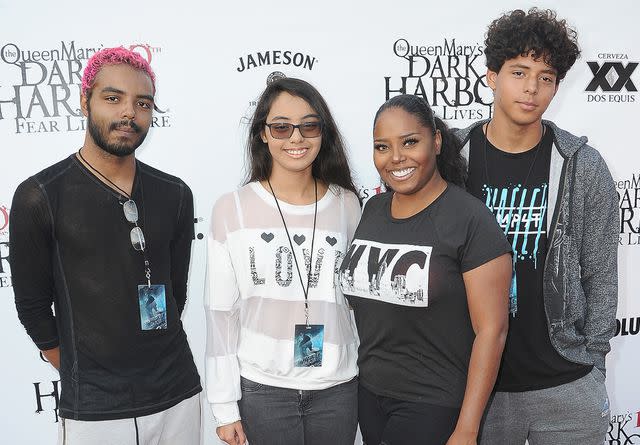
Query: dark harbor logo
[41, 93]
[629, 201]
[612, 80]
[4, 220]
[624, 429]
[48, 401]
[450, 76]
[5, 271]
[276, 57]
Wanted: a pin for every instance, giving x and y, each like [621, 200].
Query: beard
[100, 133]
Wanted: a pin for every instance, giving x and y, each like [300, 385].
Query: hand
[463, 438]
[232, 433]
[53, 357]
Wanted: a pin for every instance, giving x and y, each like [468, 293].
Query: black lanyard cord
[101, 175]
[313, 237]
[535, 157]
[147, 263]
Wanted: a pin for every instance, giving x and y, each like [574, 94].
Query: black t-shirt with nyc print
[403, 278]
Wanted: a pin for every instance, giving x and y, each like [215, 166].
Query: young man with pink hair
[106, 240]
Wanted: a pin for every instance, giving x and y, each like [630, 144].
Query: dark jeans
[388, 421]
[281, 416]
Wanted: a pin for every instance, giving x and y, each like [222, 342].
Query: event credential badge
[308, 341]
[153, 307]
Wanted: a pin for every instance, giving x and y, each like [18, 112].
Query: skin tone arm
[53, 356]
[487, 289]
[232, 433]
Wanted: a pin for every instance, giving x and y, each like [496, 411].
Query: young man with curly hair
[555, 199]
[78, 232]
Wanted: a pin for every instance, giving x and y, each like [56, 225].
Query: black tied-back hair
[537, 32]
[450, 163]
[330, 166]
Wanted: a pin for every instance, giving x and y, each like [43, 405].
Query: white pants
[179, 424]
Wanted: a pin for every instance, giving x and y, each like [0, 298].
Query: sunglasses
[131, 213]
[284, 130]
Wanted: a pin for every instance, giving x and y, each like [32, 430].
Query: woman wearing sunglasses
[281, 347]
[428, 278]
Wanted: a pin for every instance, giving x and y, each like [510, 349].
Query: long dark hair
[451, 165]
[330, 166]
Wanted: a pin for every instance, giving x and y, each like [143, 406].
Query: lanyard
[147, 264]
[305, 290]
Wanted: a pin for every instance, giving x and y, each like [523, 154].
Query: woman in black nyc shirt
[428, 277]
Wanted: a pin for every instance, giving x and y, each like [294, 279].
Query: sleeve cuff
[598, 361]
[488, 256]
[49, 344]
[225, 413]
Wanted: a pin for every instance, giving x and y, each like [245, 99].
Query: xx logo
[600, 76]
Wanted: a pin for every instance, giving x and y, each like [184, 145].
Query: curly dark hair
[537, 32]
[451, 165]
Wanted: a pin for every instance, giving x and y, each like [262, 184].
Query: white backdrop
[212, 61]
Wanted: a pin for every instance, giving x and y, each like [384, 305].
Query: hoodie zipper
[556, 211]
[554, 224]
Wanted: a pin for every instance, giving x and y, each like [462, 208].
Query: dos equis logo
[612, 79]
[40, 88]
[450, 76]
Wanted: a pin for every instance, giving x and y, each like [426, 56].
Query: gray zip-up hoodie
[581, 268]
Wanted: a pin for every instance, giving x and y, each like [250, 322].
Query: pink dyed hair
[114, 56]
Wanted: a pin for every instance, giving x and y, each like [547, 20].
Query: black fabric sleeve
[485, 239]
[30, 257]
[181, 248]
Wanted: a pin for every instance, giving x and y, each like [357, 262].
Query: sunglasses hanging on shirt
[152, 300]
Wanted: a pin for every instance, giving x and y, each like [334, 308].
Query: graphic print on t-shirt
[271, 260]
[393, 273]
[520, 211]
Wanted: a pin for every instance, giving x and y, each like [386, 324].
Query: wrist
[469, 430]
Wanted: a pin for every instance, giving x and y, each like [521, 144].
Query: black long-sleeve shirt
[70, 246]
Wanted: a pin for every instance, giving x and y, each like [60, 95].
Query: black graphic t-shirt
[514, 186]
[403, 278]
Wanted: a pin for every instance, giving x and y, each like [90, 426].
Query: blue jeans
[282, 416]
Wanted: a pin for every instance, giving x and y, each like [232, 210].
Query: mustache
[124, 123]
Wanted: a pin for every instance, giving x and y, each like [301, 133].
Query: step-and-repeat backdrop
[213, 59]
